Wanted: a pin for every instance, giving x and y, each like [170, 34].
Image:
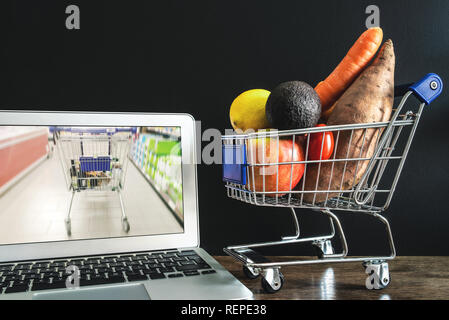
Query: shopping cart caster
[378, 274]
[251, 273]
[323, 247]
[125, 224]
[272, 280]
[68, 227]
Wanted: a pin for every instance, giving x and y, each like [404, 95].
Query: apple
[280, 178]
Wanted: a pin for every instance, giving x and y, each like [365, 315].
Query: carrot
[369, 99]
[349, 68]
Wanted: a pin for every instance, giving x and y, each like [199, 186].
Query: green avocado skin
[293, 105]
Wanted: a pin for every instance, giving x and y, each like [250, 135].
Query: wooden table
[411, 278]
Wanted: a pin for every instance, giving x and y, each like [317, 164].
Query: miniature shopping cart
[371, 194]
[94, 159]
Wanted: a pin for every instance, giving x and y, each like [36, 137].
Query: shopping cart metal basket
[94, 159]
[370, 194]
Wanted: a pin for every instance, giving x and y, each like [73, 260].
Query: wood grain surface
[411, 278]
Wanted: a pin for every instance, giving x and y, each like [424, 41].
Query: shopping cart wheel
[272, 280]
[378, 275]
[251, 273]
[68, 227]
[323, 247]
[125, 224]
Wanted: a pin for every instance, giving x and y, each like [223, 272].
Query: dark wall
[196, 56]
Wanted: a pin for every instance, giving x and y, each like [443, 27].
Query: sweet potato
[368, 99]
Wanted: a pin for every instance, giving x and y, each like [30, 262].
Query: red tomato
[315, 143]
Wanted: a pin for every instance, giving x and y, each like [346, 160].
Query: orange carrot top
[349, 68]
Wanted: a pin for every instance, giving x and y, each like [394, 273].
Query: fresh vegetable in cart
[321, 145]
[274, 177]
[368, 99]
[354, 92]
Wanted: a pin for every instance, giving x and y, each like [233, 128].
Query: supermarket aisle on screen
[38, 178]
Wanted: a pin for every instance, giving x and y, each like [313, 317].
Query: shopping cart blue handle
[428, 88]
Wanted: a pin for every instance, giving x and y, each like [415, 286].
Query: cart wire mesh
[354, 182]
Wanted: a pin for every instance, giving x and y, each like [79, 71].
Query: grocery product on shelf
[157, 153]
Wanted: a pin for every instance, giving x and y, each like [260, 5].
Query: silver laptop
[103, 206]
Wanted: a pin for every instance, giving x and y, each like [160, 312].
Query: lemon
[248, 110]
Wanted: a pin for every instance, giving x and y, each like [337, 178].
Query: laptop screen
[78, 183]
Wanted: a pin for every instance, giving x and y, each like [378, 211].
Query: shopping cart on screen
[371, 195]
[94, 159]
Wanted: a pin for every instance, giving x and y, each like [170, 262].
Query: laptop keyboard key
[208, 271]
[32, 276]
[187, 268]
[165, 270]
[41, 285]
[51, 275]
[138, 258]
[116, 279]
[13, 278]
[121, 268]
[93, 282]
[117, 264]
[58, 285]
[179, 259]
[137, 268]
[121, 259]
[85, 267]
[87, 271]
[98, 276]
[186, 253]
[191, 273]
[24, 266]
[107, 260]
[154, 276]
[170, 264]
[77, 260]
[92, 261]
[25, 272]
[17, 288]
[150, 270]
[196, 259]
[137, 277]
[6, 267]
[164, 260]
[175, 275]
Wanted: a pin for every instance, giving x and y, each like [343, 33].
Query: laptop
[103, 206]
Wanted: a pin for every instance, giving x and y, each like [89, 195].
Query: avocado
[293, 105]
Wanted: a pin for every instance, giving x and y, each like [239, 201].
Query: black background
[196, 56]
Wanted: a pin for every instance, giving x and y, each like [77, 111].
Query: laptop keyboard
[42, 275]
